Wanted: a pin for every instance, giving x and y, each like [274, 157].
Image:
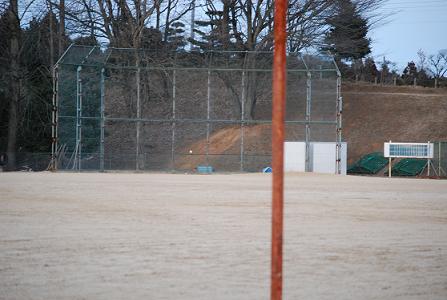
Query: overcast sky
[413, 25]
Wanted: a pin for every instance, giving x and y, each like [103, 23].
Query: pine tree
[176, 36]
[371, 71]
[347, 36]
[215, 33]
[410, 73]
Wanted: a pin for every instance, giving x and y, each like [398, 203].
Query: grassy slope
[375, 114]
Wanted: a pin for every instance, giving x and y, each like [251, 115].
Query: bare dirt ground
[165, 236]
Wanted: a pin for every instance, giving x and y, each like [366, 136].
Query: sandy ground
[164, 236]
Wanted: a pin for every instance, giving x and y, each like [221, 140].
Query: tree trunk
[61, 26]
[51, 30]
[250, 85]
[245, 97]
[12, 134]
[14, 86]
[157, 15]
[250, 95]
[167, 21]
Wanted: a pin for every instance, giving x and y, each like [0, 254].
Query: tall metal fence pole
[339, 108]
[137, 78]
[80, 125]
[308, 116]
[78, 147]
[243, 95]
[208, 96]
[173, 122]
[102, 109]
[75, 159]
[54, 125]
[278, 113]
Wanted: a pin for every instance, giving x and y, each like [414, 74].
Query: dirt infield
[165, 236]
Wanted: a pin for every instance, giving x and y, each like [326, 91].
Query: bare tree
[307, 22]
[248, 25]
[438, 65]
[123, 23]
[422, 63]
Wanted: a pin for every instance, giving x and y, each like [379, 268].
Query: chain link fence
[128, 109]
[439, 161]
[27, 161]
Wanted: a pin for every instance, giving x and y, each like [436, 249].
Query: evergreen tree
[214, 33]
[176, 36]
[385, 72]
[86, 41]
[347, 36]
[370, 72]
[410, 73]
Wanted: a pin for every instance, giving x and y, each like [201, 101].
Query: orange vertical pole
[278, 111]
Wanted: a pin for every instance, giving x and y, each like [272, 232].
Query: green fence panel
[409, 167]
[369, 164]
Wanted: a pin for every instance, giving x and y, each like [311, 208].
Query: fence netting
[128, 109]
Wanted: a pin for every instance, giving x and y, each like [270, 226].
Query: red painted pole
[278, 110]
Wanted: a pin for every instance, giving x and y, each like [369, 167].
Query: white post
[389, 167]
[428, 167]
[389, 163]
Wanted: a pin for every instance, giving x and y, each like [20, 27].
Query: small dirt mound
[224, 149]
